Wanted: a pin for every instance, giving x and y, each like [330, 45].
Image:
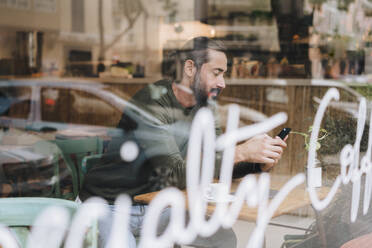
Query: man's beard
[200, 91]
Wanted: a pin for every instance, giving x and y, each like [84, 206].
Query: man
[160, 123]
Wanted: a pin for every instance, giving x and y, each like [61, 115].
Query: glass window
[55, 105]
[134, 95]
[72, 106]
[91, 109]
[15, 102]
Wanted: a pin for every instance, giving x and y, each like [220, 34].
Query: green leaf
[317, 146]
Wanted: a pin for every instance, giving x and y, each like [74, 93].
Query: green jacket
[160, 126]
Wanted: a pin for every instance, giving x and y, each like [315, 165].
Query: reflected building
[264, 38]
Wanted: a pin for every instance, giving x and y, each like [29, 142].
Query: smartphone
[284, 132]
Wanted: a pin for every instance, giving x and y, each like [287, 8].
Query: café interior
[69, 70]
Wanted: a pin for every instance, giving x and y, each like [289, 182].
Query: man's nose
[221, 83]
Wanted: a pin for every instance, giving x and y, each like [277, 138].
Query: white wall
[30, 19]
[65, 22]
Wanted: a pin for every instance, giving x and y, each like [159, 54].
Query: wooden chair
[19, 213]
[74, 151]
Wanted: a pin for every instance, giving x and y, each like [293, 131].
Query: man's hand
[261, 149]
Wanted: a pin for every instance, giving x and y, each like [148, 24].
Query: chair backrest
[37, 172]
[74, 151]
[19, 213]
[50, 149]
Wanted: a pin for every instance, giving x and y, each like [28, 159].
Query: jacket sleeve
[243, 168]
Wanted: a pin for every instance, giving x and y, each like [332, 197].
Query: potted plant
[317, 170]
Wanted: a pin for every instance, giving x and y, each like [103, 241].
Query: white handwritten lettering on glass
[253, 192]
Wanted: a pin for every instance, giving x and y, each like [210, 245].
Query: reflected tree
[170, 6]
[129, 10]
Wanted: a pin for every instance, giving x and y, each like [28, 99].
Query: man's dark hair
[196, 50]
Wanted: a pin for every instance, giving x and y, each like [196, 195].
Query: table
[359, 242]
[24, 172]
[296, 199]
[81, 132]
[17, 154]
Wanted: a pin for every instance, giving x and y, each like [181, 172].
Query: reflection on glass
[73, 71]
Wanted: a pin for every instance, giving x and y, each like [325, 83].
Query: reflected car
[67, 107]
[37, 110]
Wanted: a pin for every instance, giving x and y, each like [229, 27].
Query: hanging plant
[323, 134]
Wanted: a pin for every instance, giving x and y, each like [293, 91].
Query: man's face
[209, 79]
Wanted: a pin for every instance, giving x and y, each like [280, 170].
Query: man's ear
[189, 68]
